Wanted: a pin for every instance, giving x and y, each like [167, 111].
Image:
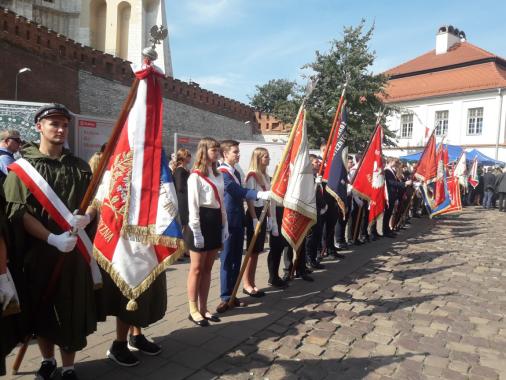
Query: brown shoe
[222, 307]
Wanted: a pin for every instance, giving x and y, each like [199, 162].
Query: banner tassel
[132, 305]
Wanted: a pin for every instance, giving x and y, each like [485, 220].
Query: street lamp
[21, 71]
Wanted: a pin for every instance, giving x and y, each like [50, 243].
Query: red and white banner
[138, 235]
[473, 174]
[454, 193]
[294, 186]
[369, 179]
[460, 170]
[56, 209]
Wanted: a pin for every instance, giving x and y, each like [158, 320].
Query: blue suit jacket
[235, 195]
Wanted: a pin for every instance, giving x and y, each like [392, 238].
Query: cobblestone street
[429, 304]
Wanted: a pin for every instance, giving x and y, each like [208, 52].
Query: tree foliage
[278, 97]
[347, 58]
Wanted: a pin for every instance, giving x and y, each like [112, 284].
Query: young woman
[181, 174]
[207, 222]
[256, 179]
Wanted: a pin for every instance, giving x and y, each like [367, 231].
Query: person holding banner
[256, 179]
[235, 195]
[41, 191]
[208, 227]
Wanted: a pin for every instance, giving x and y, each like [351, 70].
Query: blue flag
[337, 179]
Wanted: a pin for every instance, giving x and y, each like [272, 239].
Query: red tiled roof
[464, 68]
[458, 80]
[458, 54]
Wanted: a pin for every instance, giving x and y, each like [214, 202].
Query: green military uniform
[71, 314]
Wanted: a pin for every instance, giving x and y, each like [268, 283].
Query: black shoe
[140, 343]
[278, 283]
[317, 265]
[342, 246]
[305, 277]
[254, 294]
[69, 374]
[375, 237]
[358, 242]
[212, 318]
[202, 323]
[120, 354]
[46, 371]
[286, 278]
[338, 256]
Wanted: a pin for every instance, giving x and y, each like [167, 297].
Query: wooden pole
[87, 199]
[296, 260]
[357, 224]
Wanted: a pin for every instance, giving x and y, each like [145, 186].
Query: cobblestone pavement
[429, 304]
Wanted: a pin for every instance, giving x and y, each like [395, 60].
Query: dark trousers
[330, 221]
[340, 229]
[502, 199]
[356, 218]
[277, 244]
[313, 240]
[230, 258]
[288, 259]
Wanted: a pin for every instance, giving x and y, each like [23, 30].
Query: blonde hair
[201, 158]
[94, 161]
[256, 166]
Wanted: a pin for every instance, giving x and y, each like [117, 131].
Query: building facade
[456, 90]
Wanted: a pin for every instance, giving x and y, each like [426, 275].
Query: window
[441, 123]
[474, 121]
[406, 126]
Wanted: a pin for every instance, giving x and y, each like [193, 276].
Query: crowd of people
[490, 191]
[219, 210]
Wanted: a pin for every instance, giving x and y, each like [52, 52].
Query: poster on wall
[90, 134]
[19, 116]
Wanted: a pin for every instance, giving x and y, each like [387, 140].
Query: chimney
[446, 37]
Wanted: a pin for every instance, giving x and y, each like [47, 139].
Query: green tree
[349, 58]
[278, 97]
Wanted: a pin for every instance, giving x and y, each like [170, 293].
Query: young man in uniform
[69, 315]
[234, 198]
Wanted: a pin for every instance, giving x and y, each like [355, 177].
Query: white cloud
[212, 11]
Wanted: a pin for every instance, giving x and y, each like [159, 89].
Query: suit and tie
[231, 255]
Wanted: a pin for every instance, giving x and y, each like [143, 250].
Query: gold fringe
[147, 235]
[126, 290]
[339, 201]
[291, 242]
[132, 305]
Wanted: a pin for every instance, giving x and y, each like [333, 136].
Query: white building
[117, 27]
[458, 89]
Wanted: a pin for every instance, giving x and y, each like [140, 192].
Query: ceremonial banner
[473, 174]
[435, 191]
[455, 200]
[426, 168]
[294, 187]
[369, 180]
[460, 170]
[138, 235]
[336, 171]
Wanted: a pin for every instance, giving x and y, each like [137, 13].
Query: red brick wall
[55, 61]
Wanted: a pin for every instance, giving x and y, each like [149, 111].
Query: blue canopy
[454, 152]
[482, 159]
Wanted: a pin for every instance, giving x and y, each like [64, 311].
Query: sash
[227, 169]
[213, 186]
[254, 175]
[54, 206]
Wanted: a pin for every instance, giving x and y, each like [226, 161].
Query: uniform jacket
[489, 181]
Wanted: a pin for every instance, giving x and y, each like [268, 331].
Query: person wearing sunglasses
[10, 142]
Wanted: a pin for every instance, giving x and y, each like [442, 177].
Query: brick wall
[61, 59]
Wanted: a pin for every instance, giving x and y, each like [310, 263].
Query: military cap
[52, 109]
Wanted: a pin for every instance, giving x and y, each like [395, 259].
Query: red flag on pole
[369, 180]
[293, 185]
[426, 169]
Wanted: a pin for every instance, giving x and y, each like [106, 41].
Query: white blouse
[251, 183]
[201, 194]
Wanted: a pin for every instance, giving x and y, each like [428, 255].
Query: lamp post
[21, 71]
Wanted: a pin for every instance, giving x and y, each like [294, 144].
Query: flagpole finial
[158, 34]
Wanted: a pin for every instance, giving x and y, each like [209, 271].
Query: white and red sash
[254, 175]
[213, 186]
[56, 209]
[227, 169]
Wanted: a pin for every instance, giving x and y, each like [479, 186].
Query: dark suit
[394, 187]
[231, 255]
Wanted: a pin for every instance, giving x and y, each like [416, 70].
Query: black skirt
[259, 244]
[210, 225]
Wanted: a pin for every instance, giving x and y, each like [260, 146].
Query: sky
[230, 46]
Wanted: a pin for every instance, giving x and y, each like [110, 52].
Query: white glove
[275, 230]
[64, 242]
[80, 221]
[264, 195]
[198, 239]
[318, 180]
[255, 222]
[224, 234]
[7, 290]
[408, 183]
[269, 224]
